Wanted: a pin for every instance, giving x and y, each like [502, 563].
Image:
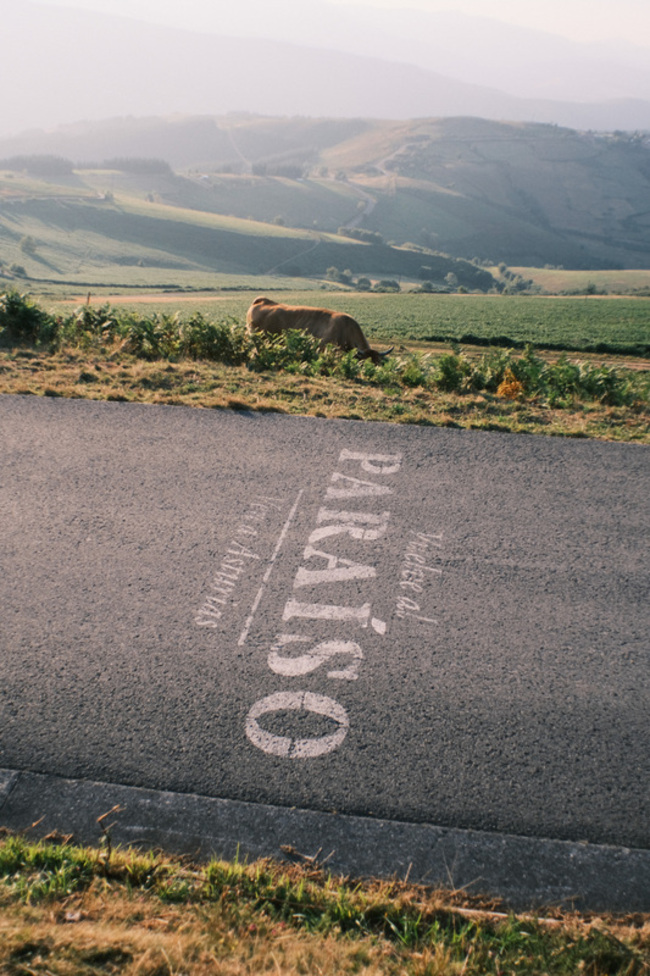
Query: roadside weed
[64, 909]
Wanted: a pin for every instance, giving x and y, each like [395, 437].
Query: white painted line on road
[269, 570]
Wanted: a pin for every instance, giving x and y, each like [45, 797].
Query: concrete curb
[525, 872]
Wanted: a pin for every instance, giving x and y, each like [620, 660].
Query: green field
[568, 323]
[588, 324]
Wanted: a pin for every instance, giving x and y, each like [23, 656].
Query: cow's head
[374, 354]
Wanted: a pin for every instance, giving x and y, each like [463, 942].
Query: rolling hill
[248, 194]
[514, 192]
[64, 230]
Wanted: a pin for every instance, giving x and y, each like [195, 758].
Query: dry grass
[115, 376]
[101, 932]
[68, 910]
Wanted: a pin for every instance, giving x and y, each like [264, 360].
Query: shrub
[294, 351]
[343, 277]
[413, 371]
[605, 384]
[156, 337]
[349, 366]
[223, 342]
[562, 378]
[510, 388]
[386, 374]
[452, 372]
[87, 325]
[361, 234]
[21, 321]
[489, 371]
[530, 370]
[28, 245]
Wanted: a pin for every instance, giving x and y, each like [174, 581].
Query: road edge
[524, 872]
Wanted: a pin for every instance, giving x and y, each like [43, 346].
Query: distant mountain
[478, 50]
[63, 65]
[518, 61]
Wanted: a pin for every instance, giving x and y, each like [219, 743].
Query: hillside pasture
[80, 233]
[85, 237]
[308, 203]
[558, 281]
[520, 193]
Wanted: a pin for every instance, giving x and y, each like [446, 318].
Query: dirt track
[149, 298]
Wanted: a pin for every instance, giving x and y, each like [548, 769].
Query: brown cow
[330, 327]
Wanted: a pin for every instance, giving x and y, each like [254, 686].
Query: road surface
[411, 625]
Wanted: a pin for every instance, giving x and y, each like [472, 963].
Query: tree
[28, 245]
[343, 277]
[451, 280]
[387, 284]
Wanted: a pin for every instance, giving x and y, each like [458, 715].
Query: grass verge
[66, 909]
[152, 357]
[121, 377]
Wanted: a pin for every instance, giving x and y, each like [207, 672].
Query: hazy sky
[584, 20]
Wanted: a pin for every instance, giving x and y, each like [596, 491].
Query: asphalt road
[416, 624]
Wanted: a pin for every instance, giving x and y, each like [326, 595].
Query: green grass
[66, 909]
